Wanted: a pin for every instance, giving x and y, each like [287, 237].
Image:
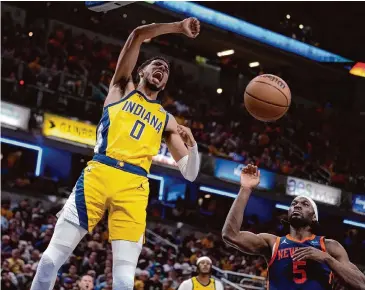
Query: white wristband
[189, 165]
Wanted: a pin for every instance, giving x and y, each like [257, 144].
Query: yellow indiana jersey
[131, 130]
[198, 286]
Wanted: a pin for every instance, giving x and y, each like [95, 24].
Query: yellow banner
[60, 127]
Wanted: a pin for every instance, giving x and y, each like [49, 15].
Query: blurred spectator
[86, 283]
[15, 263]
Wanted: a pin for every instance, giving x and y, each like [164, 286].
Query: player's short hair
[148, 61]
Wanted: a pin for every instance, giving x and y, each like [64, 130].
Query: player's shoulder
[268, 238]
[171, 123]
[332, 245]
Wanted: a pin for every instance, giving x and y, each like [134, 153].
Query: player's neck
[203, 279]
[300, 233]
[150, 94]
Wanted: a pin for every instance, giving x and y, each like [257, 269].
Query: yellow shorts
[118, 187]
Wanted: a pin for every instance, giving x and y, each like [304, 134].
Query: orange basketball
[267, 98]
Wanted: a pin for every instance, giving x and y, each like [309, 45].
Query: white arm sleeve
[186, 285]
[218, 285]
[189, 164]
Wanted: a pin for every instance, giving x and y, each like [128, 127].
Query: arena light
[287, 16]
[207, 196]
[282, 206]
[358, 69]
[28, 146]
[301, 26]
[225, 52]
[254, 64]
[249, 30]
[217, 191]
[162, 184]
[353, 223]
[30, 34]
[219, 91]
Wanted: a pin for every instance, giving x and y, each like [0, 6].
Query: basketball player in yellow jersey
[128, 135]
[203, 281]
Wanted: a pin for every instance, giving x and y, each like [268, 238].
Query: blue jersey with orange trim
[284, 273]
[131, 130]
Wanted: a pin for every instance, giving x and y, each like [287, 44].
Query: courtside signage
[70, 130]
[358, 204]
[318, 192]
[14, 116]
[231, 171]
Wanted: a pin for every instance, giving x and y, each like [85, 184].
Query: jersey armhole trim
[323, 244]
[121, 100]
[166, 121]
[277, 243]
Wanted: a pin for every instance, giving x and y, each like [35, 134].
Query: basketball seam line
[256, 98]
[287, 101]
[264, 117]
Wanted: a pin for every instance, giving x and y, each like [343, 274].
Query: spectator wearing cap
[203, 280]
[67, 284]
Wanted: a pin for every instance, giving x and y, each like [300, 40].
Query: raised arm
[128, 56]
[245, 241]
[186, 156]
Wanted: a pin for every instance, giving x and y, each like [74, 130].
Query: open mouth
[158, 75]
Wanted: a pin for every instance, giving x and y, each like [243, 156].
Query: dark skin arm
[128, 56]
[337, 260]
[250, 243]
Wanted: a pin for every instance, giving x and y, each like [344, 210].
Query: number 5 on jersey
[137, 130]
[301, 274]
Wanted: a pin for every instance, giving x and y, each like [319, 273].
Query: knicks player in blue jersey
[300, 260]
[129, 134]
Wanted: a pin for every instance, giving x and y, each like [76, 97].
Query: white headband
[312, 203]
[204, 258]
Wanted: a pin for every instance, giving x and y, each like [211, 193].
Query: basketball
[267, 98]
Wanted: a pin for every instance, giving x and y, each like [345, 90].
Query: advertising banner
[67, 129]
[231, 171]
[318, 192]
[358, 203]
[14, 116]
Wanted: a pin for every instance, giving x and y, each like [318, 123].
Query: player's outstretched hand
[250, 176]
[186, 135]
[190, 27]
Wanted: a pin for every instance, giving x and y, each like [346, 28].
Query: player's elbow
[136, 34]
[228, 238]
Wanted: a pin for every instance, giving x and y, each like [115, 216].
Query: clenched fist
[190, 27]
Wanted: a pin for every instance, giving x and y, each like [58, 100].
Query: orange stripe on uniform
[323, 245]
[277, 243]
[289, 237]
